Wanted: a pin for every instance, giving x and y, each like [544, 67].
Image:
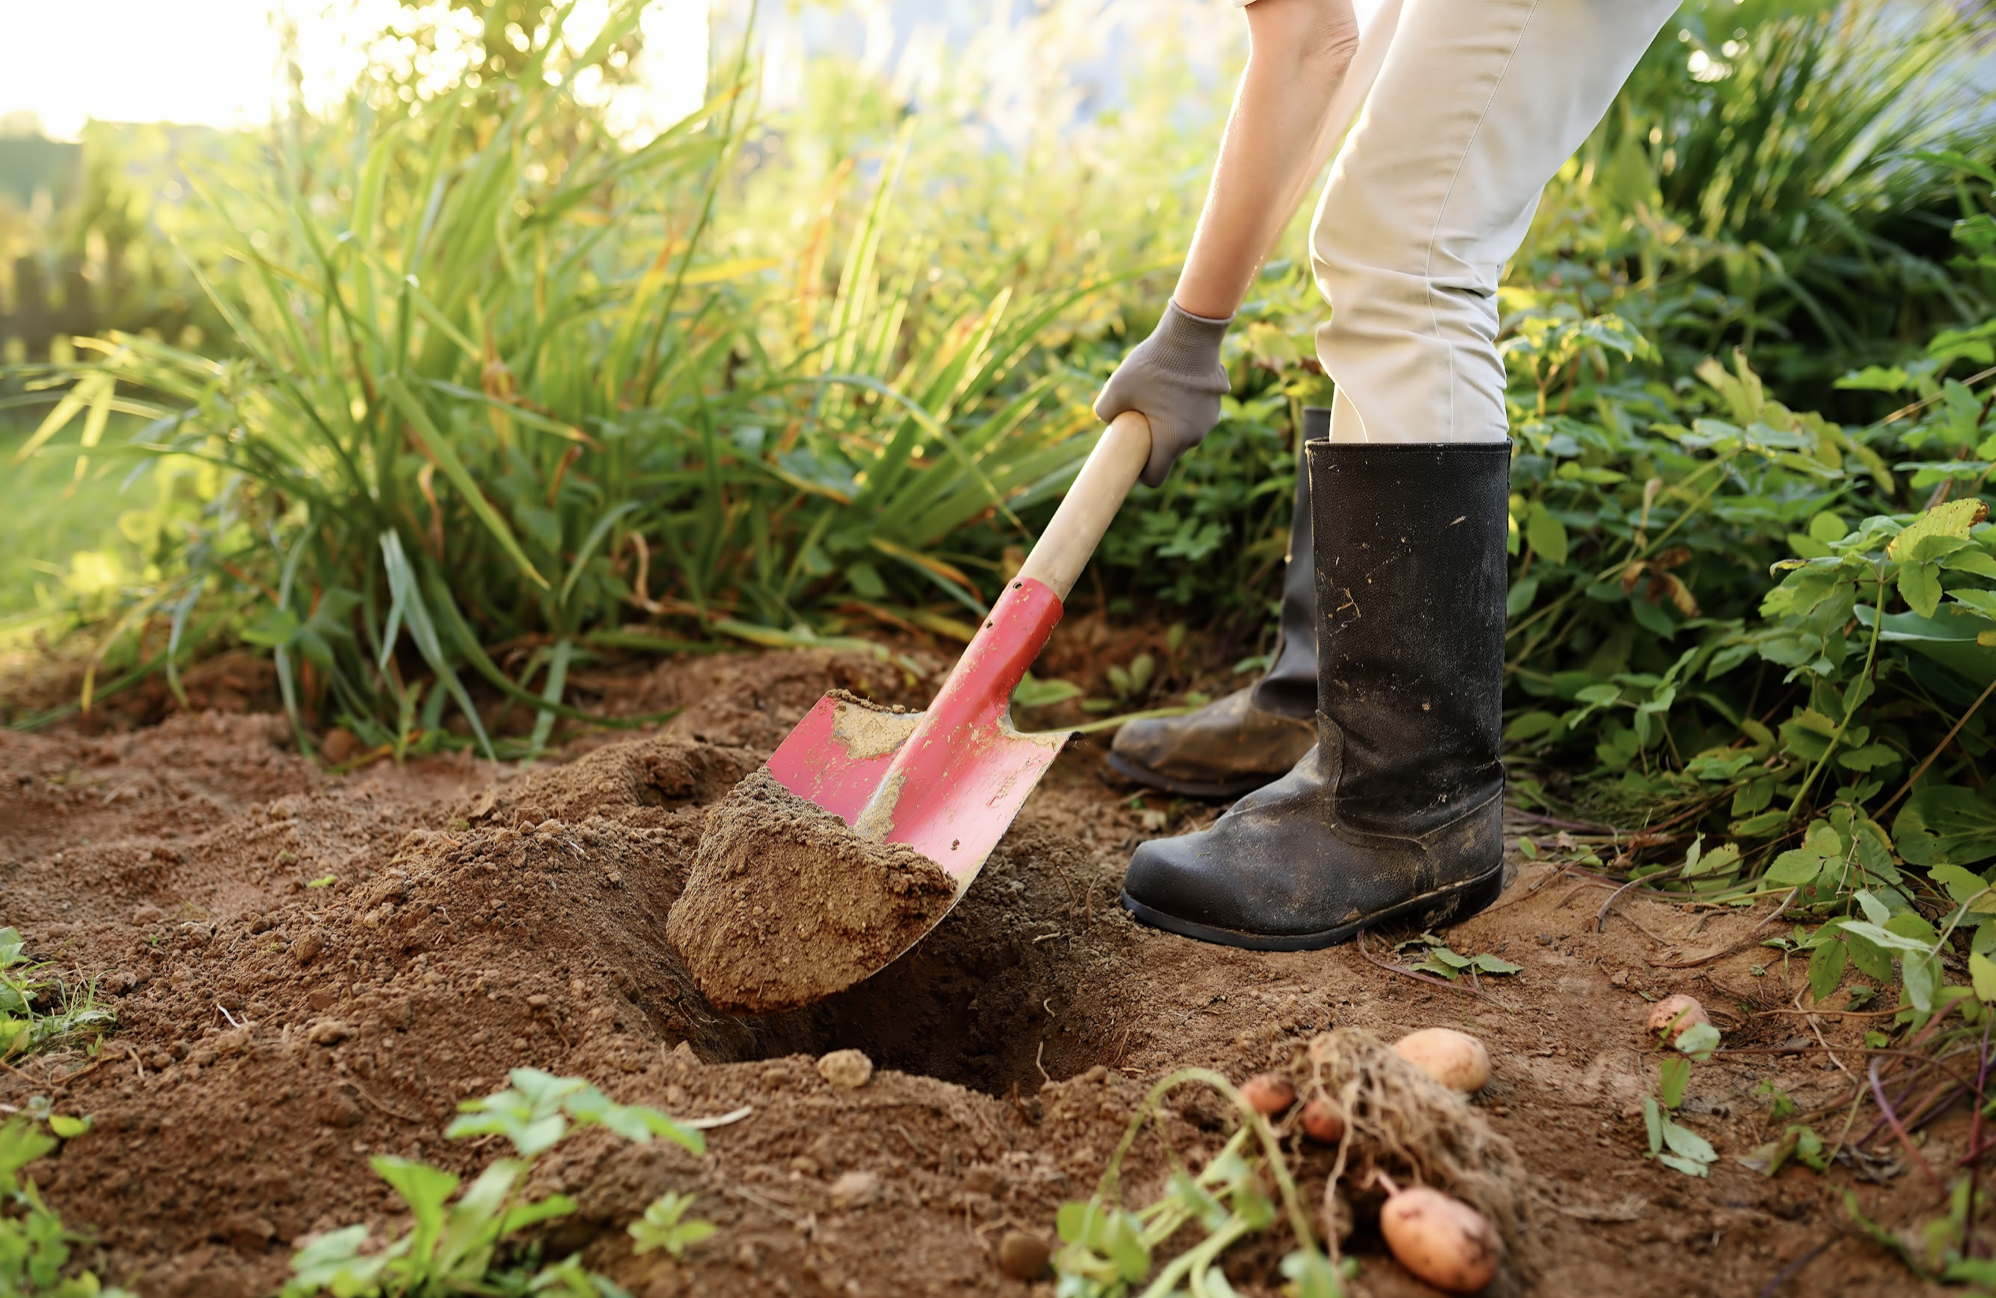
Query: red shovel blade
[947, 781]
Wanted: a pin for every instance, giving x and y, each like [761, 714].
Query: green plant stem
[1196, 1259]
[1857, 697]
[1299, 1219]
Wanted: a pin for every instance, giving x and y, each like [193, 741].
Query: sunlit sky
[216, 62]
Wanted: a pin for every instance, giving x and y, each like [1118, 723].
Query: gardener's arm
[1298, 51]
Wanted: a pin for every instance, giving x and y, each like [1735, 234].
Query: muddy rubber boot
[1240, 742]
[1396, 814]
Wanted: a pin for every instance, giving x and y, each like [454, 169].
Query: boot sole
[1455, 902]
[1235, 788]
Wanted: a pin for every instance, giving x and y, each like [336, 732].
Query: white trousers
[1476, 105]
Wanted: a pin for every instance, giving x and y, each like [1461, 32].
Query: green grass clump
[38, 1012]
[488, 396]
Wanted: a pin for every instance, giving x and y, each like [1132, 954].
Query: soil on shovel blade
[785, 904]
[309, 971]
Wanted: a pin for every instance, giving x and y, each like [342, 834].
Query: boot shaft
[1411, 578]
[1289, 687]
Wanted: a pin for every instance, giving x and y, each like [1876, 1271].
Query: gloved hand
[1174, 377]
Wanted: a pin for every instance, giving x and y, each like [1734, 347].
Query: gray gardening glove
[1174, 377]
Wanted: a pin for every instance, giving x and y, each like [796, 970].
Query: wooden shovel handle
[1077, 527]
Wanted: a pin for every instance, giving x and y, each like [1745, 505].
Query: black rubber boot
[1238, 743]
[1396, 814]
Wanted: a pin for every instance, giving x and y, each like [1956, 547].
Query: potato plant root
[310, 970]
[1413, 1129]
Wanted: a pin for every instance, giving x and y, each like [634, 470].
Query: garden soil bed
[275, 1031]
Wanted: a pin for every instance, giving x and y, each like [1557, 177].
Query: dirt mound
[622, 780]
[309, 971]
[786, 904]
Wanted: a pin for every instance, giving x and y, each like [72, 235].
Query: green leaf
[274, 629]
[1982, 973]
[1532, 725]
[1310, 1275]
[22, 1141]
[1920, 587]
[1884, 938]
[1762, 825]
[1912, 924]
[1682, 1140]
[332, 1263]
[1947, 824]
[1675, 1074]
[1794, 868]
[1823, 841]
[663, 1226]
[1699, 1041]
[521, 1216]
[1874, 910]
[1034, 693]
[1491, 964]
[1922, 976]
[1962, 885]
[1872, 960]
[446, 457]
[425, 1189]
[1951, 519]
[1826, 969]
[1546, 533]
[1653, 1119]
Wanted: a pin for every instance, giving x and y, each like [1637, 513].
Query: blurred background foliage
[439, 395]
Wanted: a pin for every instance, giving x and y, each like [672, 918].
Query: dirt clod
[855, 1190]
[848, 1069]
[330, 1032]
[1023, 1256]
[786, 905]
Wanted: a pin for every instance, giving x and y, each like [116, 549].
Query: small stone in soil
[855, 1190]
[847, 1069]
[1022, 1256]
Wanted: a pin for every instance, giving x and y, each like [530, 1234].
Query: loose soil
[785, 904]
[309, 971]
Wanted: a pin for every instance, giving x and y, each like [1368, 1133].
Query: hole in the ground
[1018, 984]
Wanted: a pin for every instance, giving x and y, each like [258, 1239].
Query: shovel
[948, 781]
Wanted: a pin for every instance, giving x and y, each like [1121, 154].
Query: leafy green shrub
[1756, 640]
[1780, 175]
[459, 1247]
[34, 1244]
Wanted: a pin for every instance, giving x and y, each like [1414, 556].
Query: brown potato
[1455, 1059]
[1268, 1093]
[1322, 1122]
[1441, 1240]
[1671, 1015]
